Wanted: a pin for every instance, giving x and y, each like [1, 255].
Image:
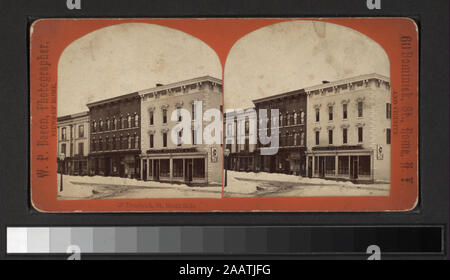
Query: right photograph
[307, 112]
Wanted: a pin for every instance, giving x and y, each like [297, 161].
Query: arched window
[295, 118]
[136, 142]
[129, 141]
[129, 121]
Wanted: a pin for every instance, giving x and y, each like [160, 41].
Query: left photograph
[133, 103]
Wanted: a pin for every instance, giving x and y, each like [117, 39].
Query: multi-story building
[290, 156]
[349, 129]
[242, 152]
[115, 136]
[73, 142]
[162, 158]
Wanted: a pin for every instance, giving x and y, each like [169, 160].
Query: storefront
[287, 161]
[187, 166]
[342, 162]
[242, 162]
[125, 165]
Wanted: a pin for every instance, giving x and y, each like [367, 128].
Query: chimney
[159, 85]
[325, 82]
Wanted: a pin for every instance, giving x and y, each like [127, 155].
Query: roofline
[348, 80]
[73, 116]
[276, 96]
[181, 83]
[108, 100]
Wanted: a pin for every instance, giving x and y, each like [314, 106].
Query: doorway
[353, 167]
[144, 169]
[188, 170]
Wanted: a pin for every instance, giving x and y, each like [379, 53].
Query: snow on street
[249, 184]
[99, 187]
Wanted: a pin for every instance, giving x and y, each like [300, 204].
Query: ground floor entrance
[287, 161]
[350, 165]
[77, 166]
[189, 168]
[125, 165]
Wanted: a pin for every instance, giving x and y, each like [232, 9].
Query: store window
[330, 165]
[343, 165]
[164, 167]
[364, 165]
[199, 168]
[178, 168]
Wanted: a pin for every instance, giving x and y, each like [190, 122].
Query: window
[136, 142]
[364, 165]
[100, 127]
[180, 135]
[344, 111]
[317, 138]
[193, 137]
[113, 141]
[93, 145]
[129, 141]
[108, 124]
[114, 124]
[63, 149]
[317, 115]
[164, 115]
[63, 133]
[129, 121]
[343, 165]
[179, 117]
[81, 131]
[199, 168]
[152, 144]
[151, 118]
[178, 168]
[302, 139]
[360, 134]
[136, 120]
[164, 167]
[360, 109]
[388, 110]
[388, 136]
[100, 144]
[330, 113]
[302, 117]
[193, 111]
[164, 139]
[330, 165]
[344, 136]
[295, 118]
[330, 137]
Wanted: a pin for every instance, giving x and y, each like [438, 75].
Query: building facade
[290, 157]
[242, 153]
[115, 136]
[349, 129]
[73, 142]
[190, 162]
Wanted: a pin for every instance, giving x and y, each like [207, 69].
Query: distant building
[165, 160]
[349, 129]
[73, 142]
[290, 157]
[115, 136]
[242, 154]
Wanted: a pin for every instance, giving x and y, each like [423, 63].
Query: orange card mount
[233, 115]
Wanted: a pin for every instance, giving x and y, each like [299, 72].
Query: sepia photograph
[122, 90]
[308, 113]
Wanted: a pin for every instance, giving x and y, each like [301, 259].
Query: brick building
[290, 157]
[242, 154]
[73, 142]
[191, 162]
[349, 129]
[115, 136]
